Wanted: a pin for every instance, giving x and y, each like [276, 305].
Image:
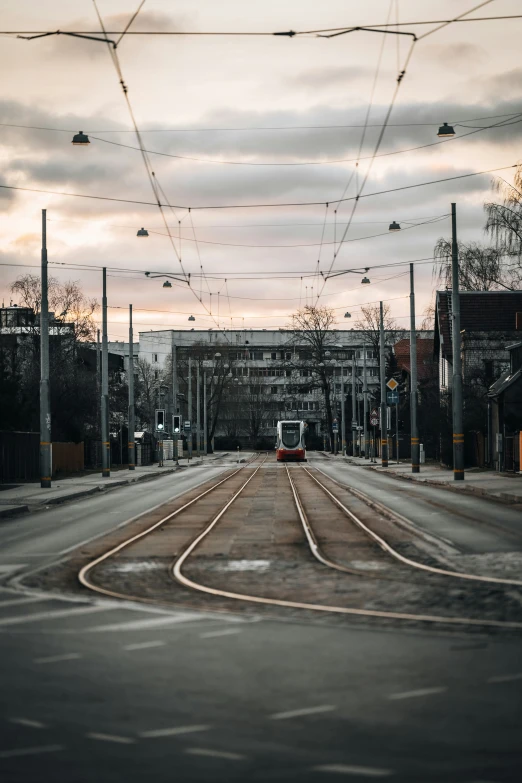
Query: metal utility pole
[354, 410]
[384, 412]
[46, 467]
[105, 437]
[343, 414]
[365, 407]
[458, 427]
[130, 380]
[189, 439]
[415, 448]
[175, 435]
[198, 412]
[205, 436]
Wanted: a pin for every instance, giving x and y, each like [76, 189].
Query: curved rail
[184, 580]
[83, 574]
[393, 552]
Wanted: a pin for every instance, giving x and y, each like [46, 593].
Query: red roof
[424, 356]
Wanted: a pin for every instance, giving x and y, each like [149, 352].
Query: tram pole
[175, 435]
[106, 446]
[131, 445]
[205, 435]
[458, 426]
[354, 412]
[365, 407]
[384, 412]
[189, 408]
[46, 467]
[198, 413]
[415, 447]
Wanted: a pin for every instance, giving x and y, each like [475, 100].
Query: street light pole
[458, 427]
[46, 467]
[384, 413]
[343, 414]
[131, 445]
[106, 446]
[205, 443]
[365, 405]
[415, 447]
[198, 412]
[189, 444]
[354, 409]
[175, 435]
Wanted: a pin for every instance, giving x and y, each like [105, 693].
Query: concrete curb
[502, 497]
[11, 511]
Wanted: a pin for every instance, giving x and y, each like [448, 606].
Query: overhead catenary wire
[266, 205]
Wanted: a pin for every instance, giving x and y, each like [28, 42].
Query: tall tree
[312, 339]
[504, 225]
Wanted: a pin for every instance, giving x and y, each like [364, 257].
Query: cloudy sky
[224, 106]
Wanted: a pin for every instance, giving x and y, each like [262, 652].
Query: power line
[274, 205]
[250, 33]
[460, 122]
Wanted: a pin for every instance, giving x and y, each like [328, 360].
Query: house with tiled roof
[490, 321]
[425, 359]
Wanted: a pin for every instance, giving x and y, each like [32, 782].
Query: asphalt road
[471, 523]
[98, 690]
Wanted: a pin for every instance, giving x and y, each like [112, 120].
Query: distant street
[120, 690]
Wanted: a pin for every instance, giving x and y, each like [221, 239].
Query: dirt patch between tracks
[259, 548]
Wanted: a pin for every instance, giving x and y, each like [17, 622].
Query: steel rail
[186, 582]
[84, 572]
[389, 549]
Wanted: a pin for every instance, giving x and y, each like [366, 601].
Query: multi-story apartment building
[269, 367]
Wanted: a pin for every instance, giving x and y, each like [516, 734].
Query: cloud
[457, 55]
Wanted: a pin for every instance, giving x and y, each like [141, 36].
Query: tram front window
[291, 435]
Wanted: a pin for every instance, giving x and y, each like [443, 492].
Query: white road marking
[172, 732]
[505, 678]
[218, 754]
[58, 658]
[212, 634]
[144, 645]
[52, 615]
[7, 569]
[7, 754]
[418, 693]
[20, 601]
[111, 738]
[304, 711]
[349, 769]
[32, 724]
[139, 625]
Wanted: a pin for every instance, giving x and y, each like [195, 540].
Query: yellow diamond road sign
[392, 384]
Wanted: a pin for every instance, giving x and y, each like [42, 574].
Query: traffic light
[160, 420]
[176, 423]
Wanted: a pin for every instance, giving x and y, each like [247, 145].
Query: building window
[273, 355]
[274, 390]
[154, 357]
[288, 356]
[156, 375]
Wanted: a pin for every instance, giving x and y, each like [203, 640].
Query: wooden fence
[67, 457]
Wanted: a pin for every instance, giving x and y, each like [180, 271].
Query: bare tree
[480, 268]
[66, 300]
[504, 223]
[312, 333]
[369, 324]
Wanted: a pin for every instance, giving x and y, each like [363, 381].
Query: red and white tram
[291, 441]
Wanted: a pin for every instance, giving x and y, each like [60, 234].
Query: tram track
[180, 567]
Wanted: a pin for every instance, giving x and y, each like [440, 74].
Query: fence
[19, 456]
[67, 457]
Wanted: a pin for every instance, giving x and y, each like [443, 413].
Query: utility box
[499, 443]
[422, 454]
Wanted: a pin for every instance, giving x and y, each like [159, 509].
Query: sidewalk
[29, 497]
[497, 486]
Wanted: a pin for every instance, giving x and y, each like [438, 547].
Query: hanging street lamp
[142, 232]
[446, 131]
[81, 139]
[394, 226]
[167, 284]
